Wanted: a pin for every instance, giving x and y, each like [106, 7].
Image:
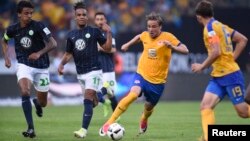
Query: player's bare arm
[107, 45]
[215, 53]
[48, 47]
[180, 48]
[241, 42]
[135, 40]
[4, 44]
[66, 58]
[113, 49]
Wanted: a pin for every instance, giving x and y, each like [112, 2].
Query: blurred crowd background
[127, 18]
[123, 15]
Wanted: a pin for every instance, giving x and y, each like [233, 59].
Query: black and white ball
[115, 131]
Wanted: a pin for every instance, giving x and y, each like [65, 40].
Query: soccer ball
[115, 132]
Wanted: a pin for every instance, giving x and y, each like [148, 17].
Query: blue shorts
[152, 92]
[231, 85]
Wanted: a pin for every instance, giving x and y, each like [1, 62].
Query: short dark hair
[204, 9]
[155, 17]
[100, 13]
[22, 4]
[79, 5]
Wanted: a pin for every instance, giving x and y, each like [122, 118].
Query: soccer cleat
[106, 107]
[109, 90]
[39, 110]
[103, 130]
[29, 133]
[80, 133]
[143, 127]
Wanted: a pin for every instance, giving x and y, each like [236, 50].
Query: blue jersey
[28, 40]
[107, 59]
[82, 44]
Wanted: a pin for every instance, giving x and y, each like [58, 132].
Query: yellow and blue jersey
[155, 58]
[215, 31]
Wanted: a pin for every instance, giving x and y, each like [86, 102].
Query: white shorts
[91, 80]
[110, 78]
[39, 77]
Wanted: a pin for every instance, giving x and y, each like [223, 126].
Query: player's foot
[39, 110]
[104, 129]
[82, 133]
[106, 107]
[109, 90]
[143, 127]
[29, 133]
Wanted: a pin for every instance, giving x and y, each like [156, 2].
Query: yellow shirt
[155, 58]
[218, 32]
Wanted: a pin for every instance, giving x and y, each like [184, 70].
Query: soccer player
[152, 69]
[82, 46]
[107, 64]
[227, 79]
[33, 41]
[247, 97]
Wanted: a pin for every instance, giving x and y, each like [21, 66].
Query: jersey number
[229, 47]
[44, 82]
[96, 80]
[237, 91]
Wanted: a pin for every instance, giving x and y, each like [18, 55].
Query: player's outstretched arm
[4, 44]
[241, 42]
[136, 39]
[107, 46]
[180, 48]
[48, 47]
[215, 53]
[66, 58]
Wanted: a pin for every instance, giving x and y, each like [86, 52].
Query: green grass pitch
[171, 121]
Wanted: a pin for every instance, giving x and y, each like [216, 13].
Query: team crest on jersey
[26, 42]
[152, 52]
[87, 35]
[80, 44]
[31, 32]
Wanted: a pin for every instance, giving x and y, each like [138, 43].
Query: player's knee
[204, 106]
[25, 91]
[43, 103]
[247, 100]
[95, 103]
[243, 114]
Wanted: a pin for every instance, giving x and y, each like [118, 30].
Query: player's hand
[34, 56]
[124, 47]
[7, 62]
[197, 68]
[106, 27]
[168, 44]
[60, 69]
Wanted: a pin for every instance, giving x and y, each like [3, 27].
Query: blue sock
[113, 102]
[104, 91]
[27, 109]
[100, 97]
[87, 114]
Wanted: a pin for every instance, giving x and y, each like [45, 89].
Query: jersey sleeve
[69, 44]
[173, 40]
[230, 30]
[212, 33]
[113, 43]
[143, 35]
[44, 31]
[9, 33]
[100, 37]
